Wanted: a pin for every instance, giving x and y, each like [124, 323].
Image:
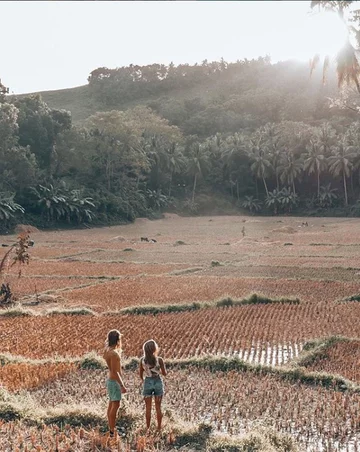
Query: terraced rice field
[199, 260]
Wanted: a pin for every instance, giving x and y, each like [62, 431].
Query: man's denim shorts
[153, 386]
[114, 390]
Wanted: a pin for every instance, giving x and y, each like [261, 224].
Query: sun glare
[325, 34]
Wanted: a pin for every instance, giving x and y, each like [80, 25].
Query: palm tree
[327, 196]
[290, 169]
[198, 163]
[175, 161]
[52, 201]
[353, 139]
[251, 204]
[325, 135]
[79, 207]
[8, 207]
[231, 151]
[273, 200]
[288, 199]
[261, 165]
[315, 161]
[341, 163]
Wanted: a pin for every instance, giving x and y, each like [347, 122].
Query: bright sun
[324, 33]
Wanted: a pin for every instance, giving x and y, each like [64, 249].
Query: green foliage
[8, 207]
[327, 196]
[281, 200]
[92, 361]
[196, 139]
[273, 200]
[251, 203]
[156, 199]
[58, 203]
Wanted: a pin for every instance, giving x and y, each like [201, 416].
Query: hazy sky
[56, 44]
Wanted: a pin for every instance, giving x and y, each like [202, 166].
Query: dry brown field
[199, 260]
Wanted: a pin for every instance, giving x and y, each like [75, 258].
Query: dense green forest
[205, 138]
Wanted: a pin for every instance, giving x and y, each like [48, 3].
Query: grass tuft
[160, 309]
[179, 242]
[76, 418]
[352, 298]
[185, 271]
[316, 349]
[17, 311]
[92, 361]
[70, 311]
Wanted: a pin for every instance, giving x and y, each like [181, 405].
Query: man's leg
[112, 415]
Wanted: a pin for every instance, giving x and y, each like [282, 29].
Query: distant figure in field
[152, 366]
[146, 239]
[114, 384]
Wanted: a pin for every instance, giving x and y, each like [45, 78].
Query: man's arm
[141, 370]
[117, 370]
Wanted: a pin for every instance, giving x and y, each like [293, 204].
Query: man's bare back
[112, 359]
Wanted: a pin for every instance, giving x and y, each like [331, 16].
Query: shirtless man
[115, 385]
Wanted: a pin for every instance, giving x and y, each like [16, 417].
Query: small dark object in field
[4, 244]
[179, 242]
[287, 244]
[31, 243]
[152, 241]
[144, 239]
[304, 223]
[7, 294]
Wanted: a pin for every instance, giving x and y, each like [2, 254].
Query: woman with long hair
[114, 384]
[152, 367]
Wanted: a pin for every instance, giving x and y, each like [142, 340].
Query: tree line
[261, 137]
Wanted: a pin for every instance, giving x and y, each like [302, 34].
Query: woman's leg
[112, 414]
[148, 403]
[158, 400]
[109, 412]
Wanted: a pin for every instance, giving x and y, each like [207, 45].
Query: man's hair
[113, 337]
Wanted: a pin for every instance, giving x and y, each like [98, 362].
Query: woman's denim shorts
[153, 386]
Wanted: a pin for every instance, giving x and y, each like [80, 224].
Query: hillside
[81, 102]
[244, 89]
[76, 100]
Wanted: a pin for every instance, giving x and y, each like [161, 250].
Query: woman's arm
[162, 367]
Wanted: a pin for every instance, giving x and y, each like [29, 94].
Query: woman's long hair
[150, 348]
